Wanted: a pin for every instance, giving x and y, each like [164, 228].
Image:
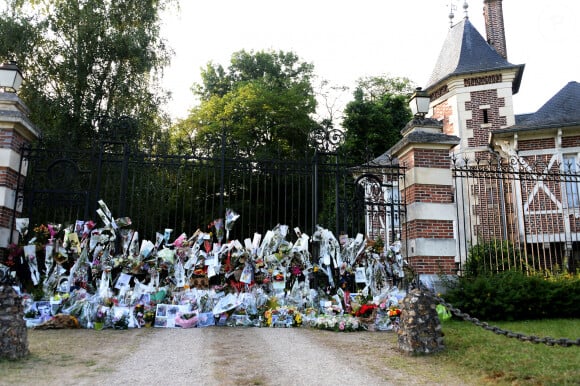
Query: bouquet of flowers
[366, 310]
[367, 313]
[121, 322]
[338, 323]
[149, 315]
[101, 315]
[31, 314]
[139, 312]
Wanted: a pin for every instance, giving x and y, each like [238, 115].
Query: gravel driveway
[265, 356]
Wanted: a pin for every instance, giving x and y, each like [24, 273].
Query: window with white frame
[571, 171]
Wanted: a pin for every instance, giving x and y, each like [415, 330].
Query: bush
[490, 257]
[513, 295]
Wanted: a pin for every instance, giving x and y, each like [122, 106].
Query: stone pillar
[419, 327]
[16, 130]
[13, 333]
[429, 232]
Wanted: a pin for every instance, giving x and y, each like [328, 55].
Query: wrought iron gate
[518, 213]
[185, 193]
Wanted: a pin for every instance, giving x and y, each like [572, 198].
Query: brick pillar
[16, 130]
[494, 25]
[430, 245]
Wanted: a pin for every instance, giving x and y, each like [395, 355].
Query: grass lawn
[496, 359]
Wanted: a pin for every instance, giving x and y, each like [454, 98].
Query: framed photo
[360, 275]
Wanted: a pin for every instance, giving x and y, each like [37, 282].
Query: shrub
[491, 257]
[513, 295]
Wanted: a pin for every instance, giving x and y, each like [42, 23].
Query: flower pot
[99, 325]
[148, 324]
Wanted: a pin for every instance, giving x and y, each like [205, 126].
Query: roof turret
[465, 51]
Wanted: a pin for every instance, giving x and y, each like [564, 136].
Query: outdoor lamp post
[10, 76]
[419, 103]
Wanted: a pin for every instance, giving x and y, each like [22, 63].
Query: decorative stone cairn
[419, 329]
[13, 333]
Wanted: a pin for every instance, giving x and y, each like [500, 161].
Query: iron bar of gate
[336, 195]
[315, 191]
[222, 169]
[24, 151]
[124, 180]
[137, 183]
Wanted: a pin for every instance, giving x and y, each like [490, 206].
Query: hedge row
[516, 296]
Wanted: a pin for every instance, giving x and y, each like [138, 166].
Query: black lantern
[419, 103]
[10, 76]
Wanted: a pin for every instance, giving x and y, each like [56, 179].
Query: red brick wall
[442, 112]
[8, 177]
[433, 264]
[571, 141]
[494, 25]
[5, 217]
[426, 158]
[11, 139]
[430, 229]
[537, 144]
[482, 98]
[428, 193]
[431, 158]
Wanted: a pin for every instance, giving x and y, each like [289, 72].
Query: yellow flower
[298, 318]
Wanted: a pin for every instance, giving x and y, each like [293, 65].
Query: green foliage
[262, 103]
[513, 295]
[83, 60]
[491, 257]
[375, 118]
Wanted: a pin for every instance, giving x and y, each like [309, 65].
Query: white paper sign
[123, 281]
[359, 275]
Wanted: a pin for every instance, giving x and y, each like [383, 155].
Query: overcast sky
[346, 40]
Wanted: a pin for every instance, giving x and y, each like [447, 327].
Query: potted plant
[149, 317]
[100, 317]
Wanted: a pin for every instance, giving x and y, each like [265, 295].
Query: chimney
[494, 27]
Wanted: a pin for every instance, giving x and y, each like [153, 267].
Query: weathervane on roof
[452, 8]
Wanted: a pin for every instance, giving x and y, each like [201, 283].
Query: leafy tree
[87, 59]
[374, 119]
[263, 102]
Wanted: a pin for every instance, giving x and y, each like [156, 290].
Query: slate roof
[562, 110]
[465, 51]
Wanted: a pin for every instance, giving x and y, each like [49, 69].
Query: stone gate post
[16, 130]
[429, 231]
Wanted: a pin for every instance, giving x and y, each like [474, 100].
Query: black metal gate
[518, 213]
[186, 193]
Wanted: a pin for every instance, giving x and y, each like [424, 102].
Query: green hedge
[514, 295]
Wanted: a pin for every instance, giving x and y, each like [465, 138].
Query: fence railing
[185, 193]
[518, 213]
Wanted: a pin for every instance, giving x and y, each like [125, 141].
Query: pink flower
[341, 326]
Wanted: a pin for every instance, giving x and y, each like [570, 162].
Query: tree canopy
[374, 119]
[263, 102]
[86, 59]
